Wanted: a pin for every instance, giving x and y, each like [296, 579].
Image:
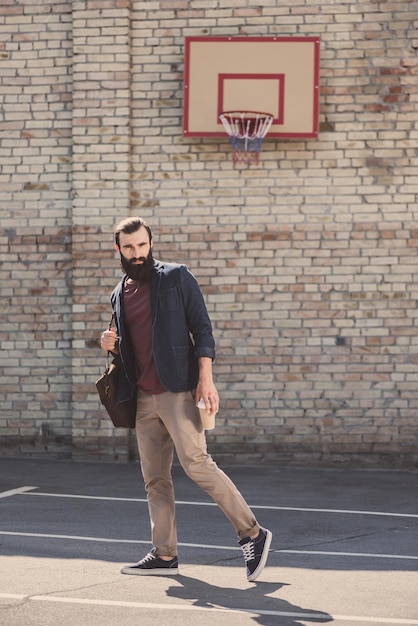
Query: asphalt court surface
[344, 549]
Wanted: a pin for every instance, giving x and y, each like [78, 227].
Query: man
[164, 337]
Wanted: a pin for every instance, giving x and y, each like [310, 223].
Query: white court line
[107, 540]
[252, 506]
[358, 554]
[213, 609]
[201, 546]
[18, 491]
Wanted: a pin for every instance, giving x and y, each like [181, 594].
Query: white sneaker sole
[256, 573]
[150, 572]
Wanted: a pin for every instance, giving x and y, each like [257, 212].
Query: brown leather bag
[122, 414]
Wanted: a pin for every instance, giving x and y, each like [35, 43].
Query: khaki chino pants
[170, 420]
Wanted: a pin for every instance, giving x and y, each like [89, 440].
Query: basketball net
[246, 131]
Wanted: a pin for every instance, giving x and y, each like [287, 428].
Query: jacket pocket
[185, 362]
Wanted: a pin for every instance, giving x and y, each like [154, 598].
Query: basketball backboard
[277, 75]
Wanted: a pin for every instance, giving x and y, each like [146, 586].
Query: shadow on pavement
[249, 601]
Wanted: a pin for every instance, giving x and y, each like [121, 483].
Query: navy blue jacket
[181, 330]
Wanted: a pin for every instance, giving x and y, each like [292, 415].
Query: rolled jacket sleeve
[200, 326]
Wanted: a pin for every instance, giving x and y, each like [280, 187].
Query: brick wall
[35, 229]
[307, 262]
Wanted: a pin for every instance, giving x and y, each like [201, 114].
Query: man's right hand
[109, 340]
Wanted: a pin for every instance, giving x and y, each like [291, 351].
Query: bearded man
[164, 337]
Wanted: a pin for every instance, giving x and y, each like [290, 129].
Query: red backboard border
[278, 115]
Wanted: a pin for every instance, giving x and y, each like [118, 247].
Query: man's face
[135, 252]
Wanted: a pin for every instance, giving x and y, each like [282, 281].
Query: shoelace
[149, 557]
[248, 550]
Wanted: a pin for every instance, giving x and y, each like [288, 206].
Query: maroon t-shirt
[137, 308]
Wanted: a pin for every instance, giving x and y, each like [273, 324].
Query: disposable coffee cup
[207, 419]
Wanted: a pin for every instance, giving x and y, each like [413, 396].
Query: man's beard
[139, 273]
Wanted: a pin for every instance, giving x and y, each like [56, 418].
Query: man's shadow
[265, 610]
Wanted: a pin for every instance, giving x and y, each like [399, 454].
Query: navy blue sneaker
[153, 565]
[256, 552]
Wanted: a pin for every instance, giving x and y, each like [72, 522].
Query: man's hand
[206, 389]
[109, 340]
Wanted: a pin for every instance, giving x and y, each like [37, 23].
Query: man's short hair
[130, 225]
